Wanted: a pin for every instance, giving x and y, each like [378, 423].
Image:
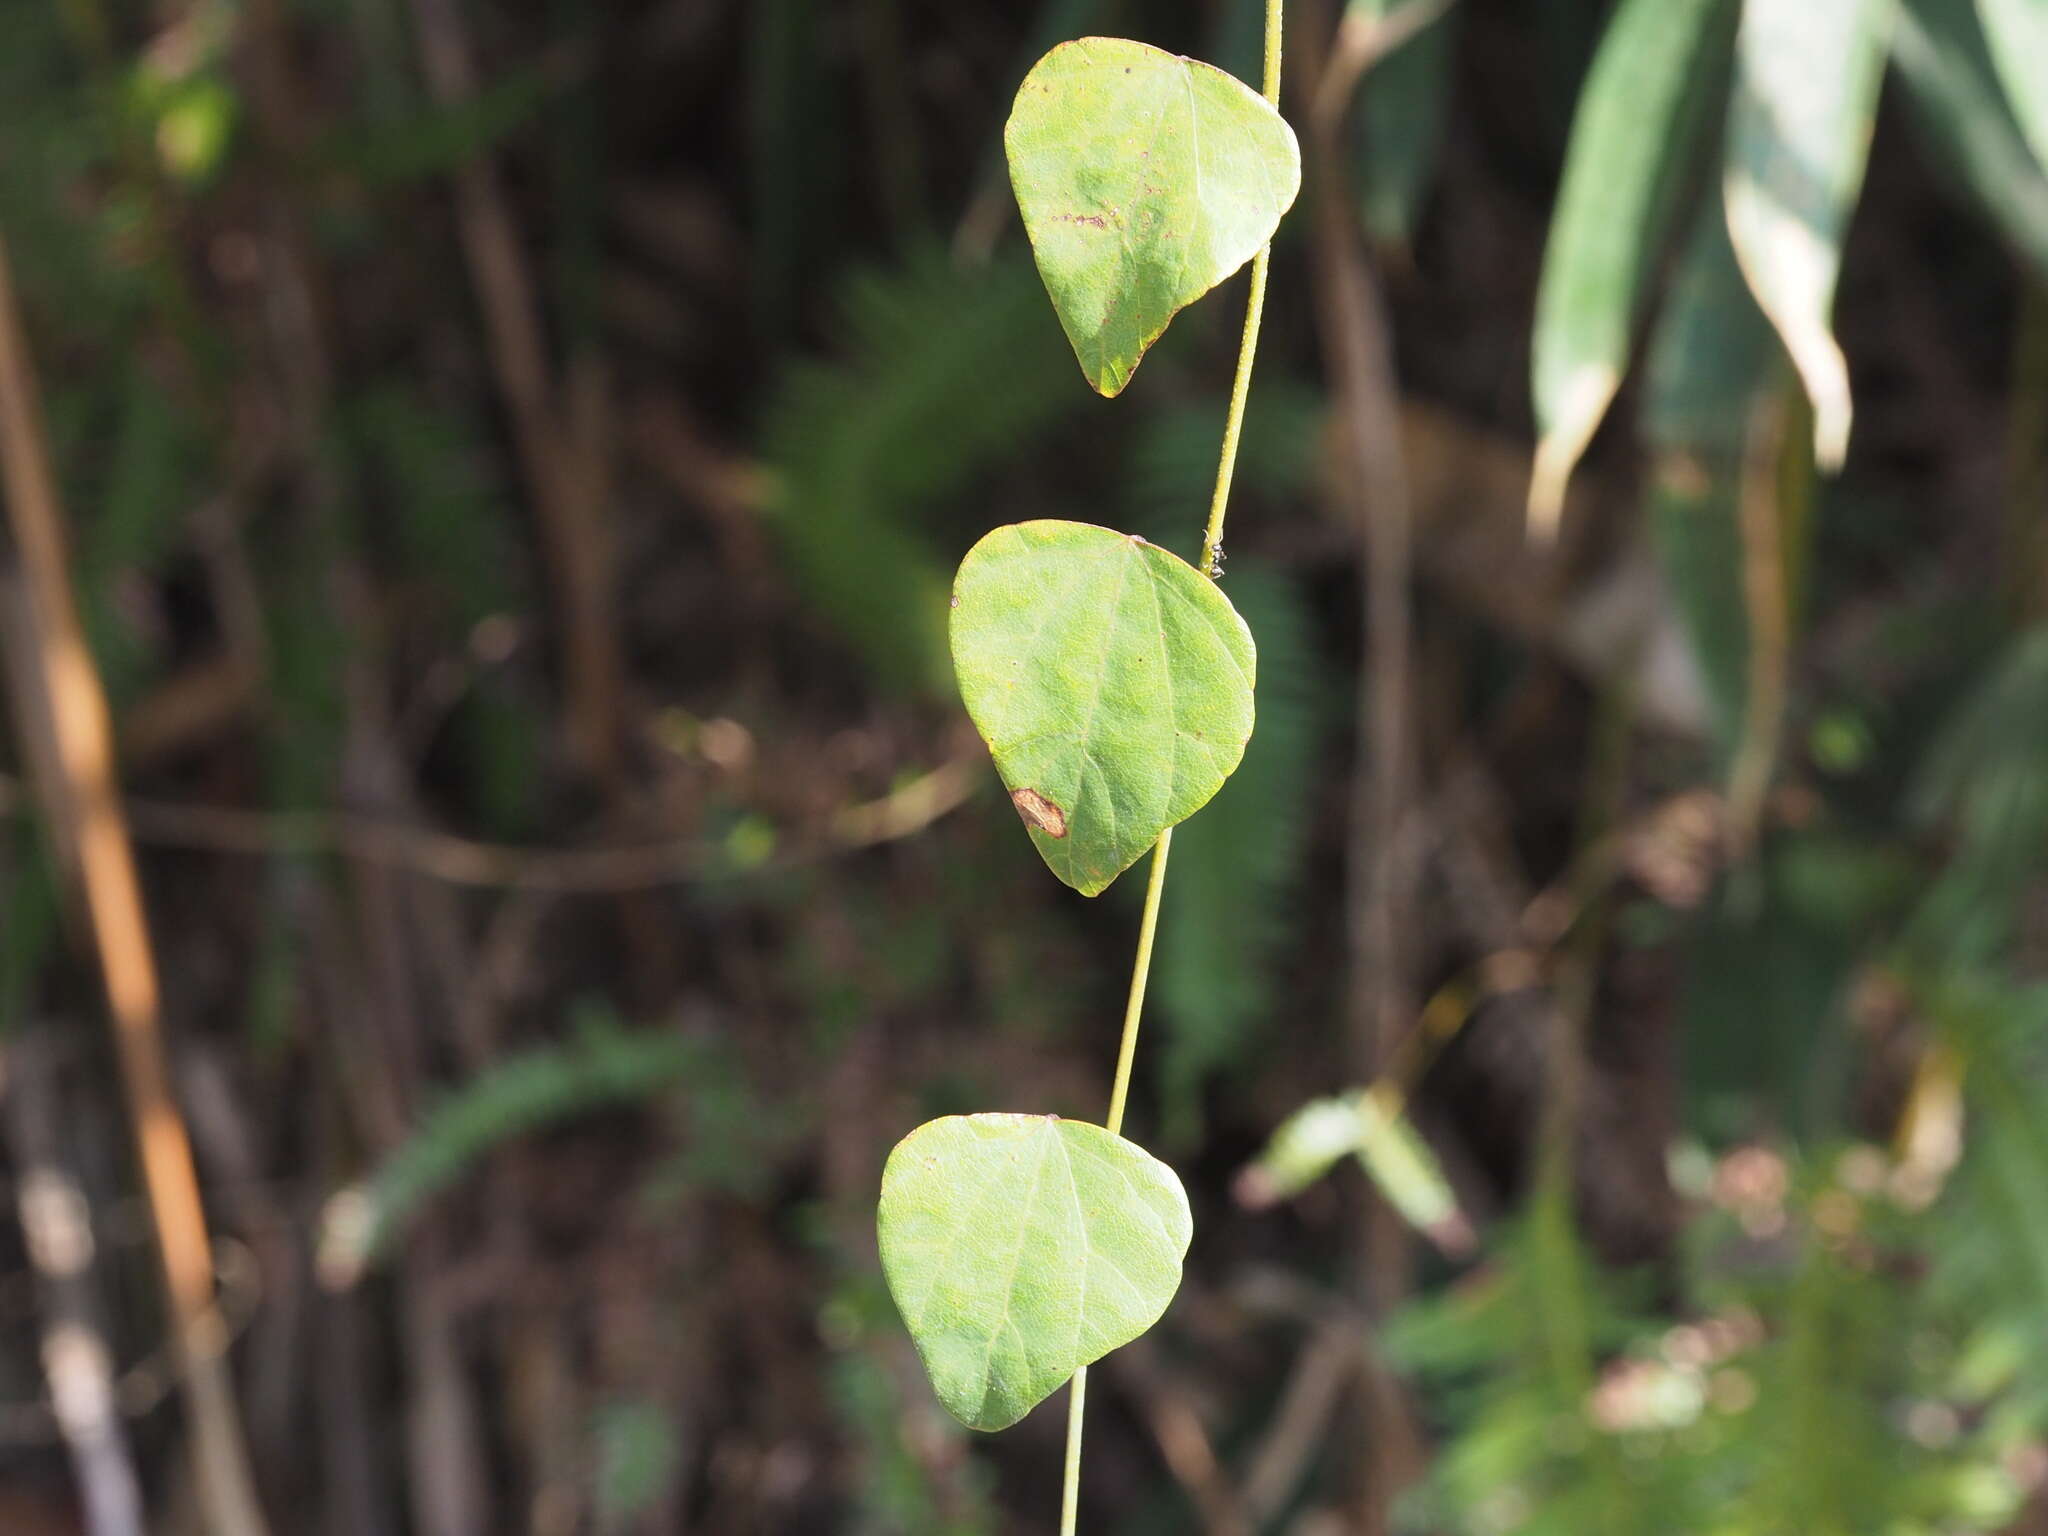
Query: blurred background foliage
[513, 459]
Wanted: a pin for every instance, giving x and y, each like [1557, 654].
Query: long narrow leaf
[2018, 33]
[1711, 360]
[1403, 107]
[1631, 147]
[1710, 357]
[1807, 77]
[1945, 61]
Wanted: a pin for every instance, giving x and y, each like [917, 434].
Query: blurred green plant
[1800, 107]
[602, 1063]
[864, 451]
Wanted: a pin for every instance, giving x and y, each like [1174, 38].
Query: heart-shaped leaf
[1112, 682]
[1020, 1248]
[1145, 179]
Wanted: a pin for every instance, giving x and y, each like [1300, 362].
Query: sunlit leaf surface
[1020, 1248]
[1112, 682]
[1145, 179]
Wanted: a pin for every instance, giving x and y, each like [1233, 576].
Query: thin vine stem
[1070, 1494]
[1254, 313]
[1148, 924]
[1141, 969]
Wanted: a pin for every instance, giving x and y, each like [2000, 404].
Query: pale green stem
[1271, 84]
[1233, 424]
[1254, 312]
[1070, 1497]
[1119, 1095]
[1148, 925]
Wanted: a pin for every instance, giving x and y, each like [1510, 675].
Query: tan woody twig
[76, 785]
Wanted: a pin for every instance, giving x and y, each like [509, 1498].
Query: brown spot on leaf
[1039, 812]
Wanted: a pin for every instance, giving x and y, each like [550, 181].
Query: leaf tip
[1108, 383]
[1831, 419]
[1546, 498]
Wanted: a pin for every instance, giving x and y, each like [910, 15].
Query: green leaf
[1710, 359]
[1145, 179]
[1631, 145]
[1398, 127]
[1112, 682]
[1368, 1124]
[1945, 61]
[1020, 1248]
[1402, 1164]
[1807, 77]
[2018, 33]
[1711, 355]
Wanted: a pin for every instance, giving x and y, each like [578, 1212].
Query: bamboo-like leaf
[1711, 357]
[2018, 33]
[1631, 146]
[1403, 106]
[1952, 85]
[1807, 77]
[1020, 1248]
[1145, 180]
[1112, 682]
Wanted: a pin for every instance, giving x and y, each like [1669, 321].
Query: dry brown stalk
[453, 860]
[81, 801]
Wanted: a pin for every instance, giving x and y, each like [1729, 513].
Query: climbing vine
[1113, 683]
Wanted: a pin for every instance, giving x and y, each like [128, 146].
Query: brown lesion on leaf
[1039, 812]
[1095, 220]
